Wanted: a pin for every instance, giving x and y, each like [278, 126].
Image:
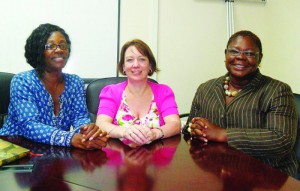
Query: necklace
[226, 87]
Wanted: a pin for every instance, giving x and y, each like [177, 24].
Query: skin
[241, 70]
[90, 136]
[138, 96]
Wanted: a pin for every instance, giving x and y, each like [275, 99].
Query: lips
[135, 72]
[239, 66]
[58, 59]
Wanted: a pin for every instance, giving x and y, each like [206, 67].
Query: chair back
[5, 79]
[93, 90]
[297, 144]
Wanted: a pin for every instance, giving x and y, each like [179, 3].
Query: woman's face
[56, 52]
[242, 64]
[136, 65]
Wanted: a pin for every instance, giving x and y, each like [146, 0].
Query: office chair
[93, 90]
[297, 143]
[5, 79]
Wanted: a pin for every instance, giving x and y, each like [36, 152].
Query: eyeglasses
[62, 46]
[248, 54]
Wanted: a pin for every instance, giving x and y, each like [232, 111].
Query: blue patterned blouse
[31, 110]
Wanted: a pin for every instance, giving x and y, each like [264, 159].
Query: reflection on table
[169, 164]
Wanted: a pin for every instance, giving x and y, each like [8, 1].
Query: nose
[58, 49]
[242, 55]
[135, 63]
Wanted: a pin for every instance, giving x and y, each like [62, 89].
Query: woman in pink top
[138, 111]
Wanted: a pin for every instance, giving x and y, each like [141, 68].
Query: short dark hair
[144, 49]
[35, 45]
[245, 33]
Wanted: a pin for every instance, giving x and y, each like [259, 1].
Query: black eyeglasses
[248, 54]
[51, 46]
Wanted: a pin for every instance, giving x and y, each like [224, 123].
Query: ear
[260, 58]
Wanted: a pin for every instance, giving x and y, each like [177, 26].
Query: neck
[238, 83]
[137, 88]
[54, 77]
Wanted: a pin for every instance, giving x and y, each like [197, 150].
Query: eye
[233, 52]
[63, 46]
[129, 60]
[50, 46]
[250, 54]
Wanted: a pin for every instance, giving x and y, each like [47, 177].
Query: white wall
[192, 38]
[188, 37]
[92, 26]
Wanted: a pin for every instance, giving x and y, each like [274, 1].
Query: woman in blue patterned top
[45, 102]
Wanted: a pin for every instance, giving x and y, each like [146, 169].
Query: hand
[97, 143]
[138, 134]
[90, 160]
[138, 156]
[91, 131]
[204, 130]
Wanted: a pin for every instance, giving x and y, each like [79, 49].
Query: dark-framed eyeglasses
[248, 54]
[51, 46]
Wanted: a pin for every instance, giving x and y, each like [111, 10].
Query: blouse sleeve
[80, 115]
[278, 134]
[166, 100]
[109, 101]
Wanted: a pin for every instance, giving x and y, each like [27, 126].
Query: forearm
[171, 128]
[112, 130]
[47, 134]
[261, 142]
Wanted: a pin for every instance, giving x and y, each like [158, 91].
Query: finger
[138, 138]
[90, 134]
[199, 132]
[203, 139]
[195, 119]
[97, 144]
[138, 135]
[145, 131]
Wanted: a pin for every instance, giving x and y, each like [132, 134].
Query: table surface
[171, 164]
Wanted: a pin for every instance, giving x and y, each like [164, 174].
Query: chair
[5, 79]
[93, 90]
[297, 143]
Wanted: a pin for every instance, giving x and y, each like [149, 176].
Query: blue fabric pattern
[31, 110]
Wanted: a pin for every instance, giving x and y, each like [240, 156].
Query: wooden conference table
[170, 164]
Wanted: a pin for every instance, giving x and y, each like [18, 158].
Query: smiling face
[244, 64]
[56, 59]
[136, 65]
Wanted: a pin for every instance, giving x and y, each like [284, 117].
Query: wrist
[159, 134]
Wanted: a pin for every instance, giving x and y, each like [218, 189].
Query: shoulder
[73, 78]
[272, 84]
[117, 86]
[211, 83]
[114, 89]
[159, 87]
[25, 78]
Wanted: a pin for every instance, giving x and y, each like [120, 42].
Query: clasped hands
[140, 135]
[204, 130]
[90, 137]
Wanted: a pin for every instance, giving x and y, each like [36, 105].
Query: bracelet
[162, 133]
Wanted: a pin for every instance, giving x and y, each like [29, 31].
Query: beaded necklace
[226, 87]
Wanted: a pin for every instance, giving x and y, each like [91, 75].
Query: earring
[150, 71]
[124, 73]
